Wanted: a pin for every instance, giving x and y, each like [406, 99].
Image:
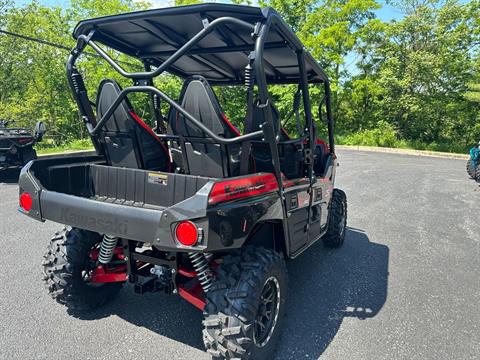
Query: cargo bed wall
[65, 174]
[115, 184]
[140, 187]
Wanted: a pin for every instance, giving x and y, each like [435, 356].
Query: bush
[383, 135]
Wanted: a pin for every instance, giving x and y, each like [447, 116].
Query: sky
[386, 13]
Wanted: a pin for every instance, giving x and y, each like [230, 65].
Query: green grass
[401, 144]
[384, 135]
[48, 147]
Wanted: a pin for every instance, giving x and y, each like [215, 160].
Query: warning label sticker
[155, 178]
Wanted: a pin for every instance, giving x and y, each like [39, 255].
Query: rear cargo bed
[133, 187]
[128, 203]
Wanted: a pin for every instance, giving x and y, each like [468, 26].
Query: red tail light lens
[26, 201]
[186, 233]
[244, 187]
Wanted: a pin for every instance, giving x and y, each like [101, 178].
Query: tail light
[243, 187]
[26, 201]
[186, 233]
[24, 140]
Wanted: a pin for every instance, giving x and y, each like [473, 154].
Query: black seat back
[127, 140]
[197, 98]
[289, 151]
[203, 157]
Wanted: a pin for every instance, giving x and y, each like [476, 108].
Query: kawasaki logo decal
[116, 226]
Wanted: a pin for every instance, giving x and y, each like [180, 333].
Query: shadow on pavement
[166, 315]
[9, 176]
[325, 286]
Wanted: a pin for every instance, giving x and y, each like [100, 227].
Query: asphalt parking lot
[406, 284]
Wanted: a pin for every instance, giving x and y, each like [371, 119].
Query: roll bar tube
[271, 18]
[270, 136]
[179, 53]
[276, 19]
[330, 122]
[269, 130]
[174, 104]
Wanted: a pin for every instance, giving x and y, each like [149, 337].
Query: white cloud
[161, 3]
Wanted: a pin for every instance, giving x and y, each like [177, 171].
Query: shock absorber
[156, 101]
[200, 264]
[249, 77]
[78, 82]
[106, 249]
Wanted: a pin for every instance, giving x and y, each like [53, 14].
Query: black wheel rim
[267, 313]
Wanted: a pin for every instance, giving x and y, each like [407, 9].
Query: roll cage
[221, 31]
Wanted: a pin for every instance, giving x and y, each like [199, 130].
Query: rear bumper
[148, 224]
[106, 218]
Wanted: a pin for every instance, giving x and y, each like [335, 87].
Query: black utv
[202, 209]
[16, 144]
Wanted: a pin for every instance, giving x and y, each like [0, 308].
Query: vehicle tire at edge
[470, 169]
[235, 301]
[65, 260]
[337, 221]
[477, 174]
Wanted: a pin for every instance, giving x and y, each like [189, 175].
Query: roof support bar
[215, 50]
[176, 106]
[179, 53]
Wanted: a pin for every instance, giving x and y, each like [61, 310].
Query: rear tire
[246, 305]
[66, 261]
[337, 221]
[471, 168]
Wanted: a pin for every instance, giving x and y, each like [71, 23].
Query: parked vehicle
[16, 144]
[473, 168]
[201, 210]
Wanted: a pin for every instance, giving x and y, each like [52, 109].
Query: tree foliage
[416, 78]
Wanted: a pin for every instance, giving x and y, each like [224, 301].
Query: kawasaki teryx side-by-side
[16, 144]
[201, 209]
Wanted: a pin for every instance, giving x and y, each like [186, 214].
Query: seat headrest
[107, 93]
[198, 99]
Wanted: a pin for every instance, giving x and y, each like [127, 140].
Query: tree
[86, 9]
[30, 87]
[428, 61]
[473, 93]
[32, 81]
[331, 32]
[295, 13]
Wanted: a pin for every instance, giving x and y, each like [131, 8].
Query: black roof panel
[153, 35]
